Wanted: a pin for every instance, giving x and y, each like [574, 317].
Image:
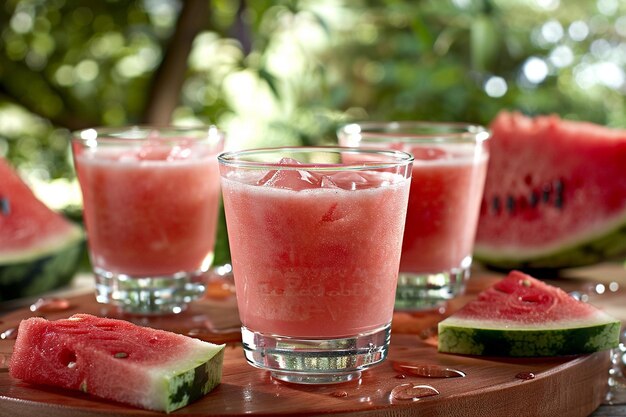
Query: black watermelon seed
[558, 186]
[495, 204]
[545, 193]
[510, 204]
[558, 199]
[533, 200]
[5, 206]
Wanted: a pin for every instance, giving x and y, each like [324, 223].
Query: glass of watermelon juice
[446, 190]
[315, 236]
[151, 200]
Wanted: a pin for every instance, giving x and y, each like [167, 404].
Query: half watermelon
[116, 360]
[39, 248]
[522, 316]
[555, 194]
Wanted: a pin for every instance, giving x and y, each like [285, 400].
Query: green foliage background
[290, 71]
[302, 66]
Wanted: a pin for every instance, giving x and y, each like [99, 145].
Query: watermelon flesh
[29, 228]
[116, 360]
[523, 316]
[555, 194]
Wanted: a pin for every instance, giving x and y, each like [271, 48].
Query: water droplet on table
[426, 371]
[617, 374]
[412, 392]
[9, 334]
[219, 289]
[50, 305]
[525, 375]
[5, 358]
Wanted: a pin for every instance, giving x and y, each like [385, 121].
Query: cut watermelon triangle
[523, 316]
[29, 229]
[116, 360]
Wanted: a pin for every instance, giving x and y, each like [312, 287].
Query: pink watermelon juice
[443, 212]
[315, 249]
[316, 261]
[446, 190]
[150, 206]
[149, 216]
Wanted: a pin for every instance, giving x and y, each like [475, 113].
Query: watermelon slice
[555, 194]
[116, 360]
[39, 248]
[522, 316]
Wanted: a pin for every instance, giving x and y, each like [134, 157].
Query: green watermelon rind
[42, 270]
[458, 338]
[189, 385]
[607, 243]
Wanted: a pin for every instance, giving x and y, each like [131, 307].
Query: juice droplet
[339, 394]
[412, 392]
[426, 371]
[50, 305]
[5, 358]
[9, 334]
[428, 333]
[219, 289]
[525, 375]
[198, 333]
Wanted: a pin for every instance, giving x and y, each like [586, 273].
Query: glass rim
[229, 158]
[400, 131]
[139, 133]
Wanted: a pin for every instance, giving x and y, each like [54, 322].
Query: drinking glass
[446, 192]
[315, 236]
[151, 200]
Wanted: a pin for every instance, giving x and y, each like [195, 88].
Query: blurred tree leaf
[484, 43]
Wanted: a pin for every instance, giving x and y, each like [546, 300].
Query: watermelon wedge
[116, 360]
[39, 248]
[555, 194]
[522, 316]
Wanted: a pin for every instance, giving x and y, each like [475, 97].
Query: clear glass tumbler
[151, 200]
[446, 192]
[315, 236]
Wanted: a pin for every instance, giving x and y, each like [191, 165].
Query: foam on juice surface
[156, 151]
[293, 179]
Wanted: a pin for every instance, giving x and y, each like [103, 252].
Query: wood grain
[568, 386]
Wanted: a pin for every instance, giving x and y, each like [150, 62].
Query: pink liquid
[318, 262]
[149, 211]
[442, 214]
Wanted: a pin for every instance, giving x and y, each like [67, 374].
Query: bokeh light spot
[22, 22]
[552, 31]
[496, 87]
[562, 56]
[87, 70]
[535, 70]
[578, 31]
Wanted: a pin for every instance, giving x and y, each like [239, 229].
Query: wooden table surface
[570, 386]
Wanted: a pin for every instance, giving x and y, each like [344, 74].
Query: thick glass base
[149, 295]
[316, 361]
[426, 291]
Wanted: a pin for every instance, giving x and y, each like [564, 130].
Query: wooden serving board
[568, 386]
